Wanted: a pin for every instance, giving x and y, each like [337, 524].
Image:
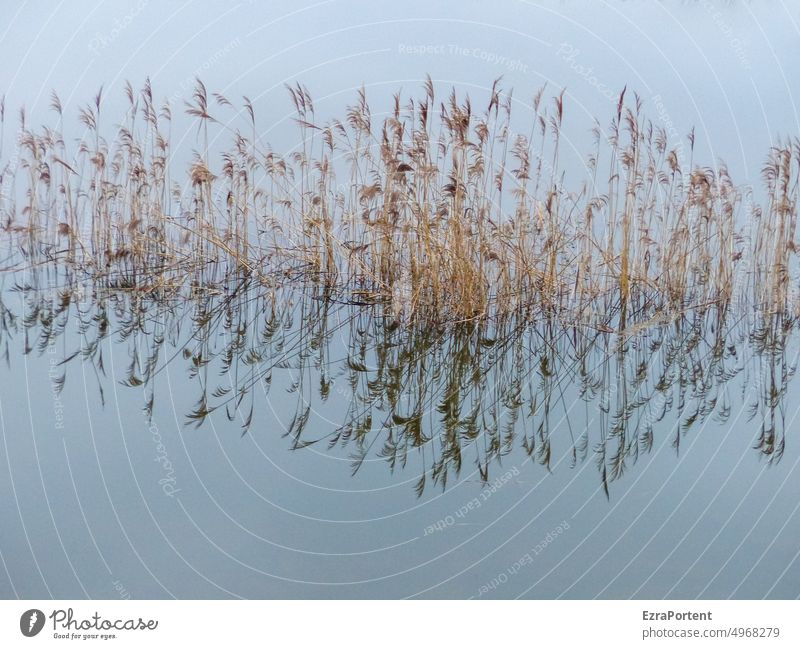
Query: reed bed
[440, 211]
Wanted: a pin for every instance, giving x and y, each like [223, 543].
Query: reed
[441, 211]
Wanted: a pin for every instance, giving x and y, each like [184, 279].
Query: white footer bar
[389, 624]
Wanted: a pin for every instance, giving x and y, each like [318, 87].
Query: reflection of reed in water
[440, 398]
[433, 274]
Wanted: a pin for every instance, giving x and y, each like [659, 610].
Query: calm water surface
[242, 442]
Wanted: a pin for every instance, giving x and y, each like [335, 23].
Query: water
[243, 442]
[111, 489]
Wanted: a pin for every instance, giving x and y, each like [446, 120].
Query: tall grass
[441, 210]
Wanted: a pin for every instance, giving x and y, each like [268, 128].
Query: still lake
[247, 443]
[109, 488]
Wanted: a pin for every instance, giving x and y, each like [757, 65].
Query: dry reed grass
[439, 211]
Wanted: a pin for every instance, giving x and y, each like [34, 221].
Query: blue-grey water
[103, 501]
